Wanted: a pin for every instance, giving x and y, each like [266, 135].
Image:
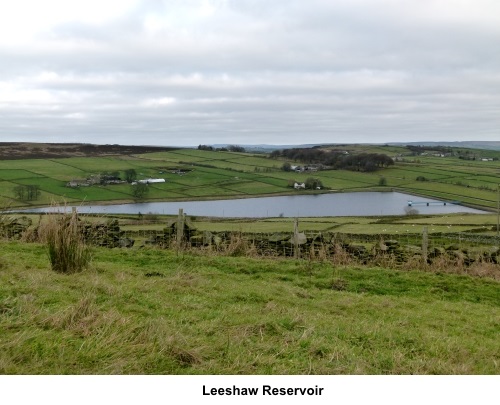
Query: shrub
[313, 183]
[68, 252]
[239, 246]
[139, 190]
[411, 211]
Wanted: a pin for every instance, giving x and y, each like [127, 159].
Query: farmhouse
[103, 179]
[77, 183]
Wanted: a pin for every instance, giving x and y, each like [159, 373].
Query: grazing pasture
[200, 174]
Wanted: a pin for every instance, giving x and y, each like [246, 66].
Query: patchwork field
[191, 173]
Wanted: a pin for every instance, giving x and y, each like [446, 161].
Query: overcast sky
[189, 72]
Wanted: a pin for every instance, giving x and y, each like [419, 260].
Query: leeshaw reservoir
[320, 205]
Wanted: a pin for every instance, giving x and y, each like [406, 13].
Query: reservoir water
[320, 205]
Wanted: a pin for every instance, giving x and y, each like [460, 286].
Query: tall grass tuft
[68, 252]
[239, 246]
[5, 218]
[341, 257]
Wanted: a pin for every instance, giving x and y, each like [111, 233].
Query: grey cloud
[255, 71]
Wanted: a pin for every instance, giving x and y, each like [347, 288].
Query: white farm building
[151, 181]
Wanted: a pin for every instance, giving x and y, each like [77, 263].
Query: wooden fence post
[296, 252]
[180, 228]
[425, 244]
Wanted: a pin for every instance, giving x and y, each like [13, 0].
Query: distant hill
[263, 147]
[490, 145]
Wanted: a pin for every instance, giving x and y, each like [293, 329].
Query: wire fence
[403, 247]
[181, 233]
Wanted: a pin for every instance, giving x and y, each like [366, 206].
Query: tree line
[230, 148]
[29, 192]
[365, 162]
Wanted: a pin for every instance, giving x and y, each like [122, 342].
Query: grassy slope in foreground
[152, 312]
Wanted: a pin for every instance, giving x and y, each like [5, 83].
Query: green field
[356, 225]
[211, 175]
[153, 311]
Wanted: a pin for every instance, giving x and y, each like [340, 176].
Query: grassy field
[213, 175]
[157, 312]
[364, 225]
